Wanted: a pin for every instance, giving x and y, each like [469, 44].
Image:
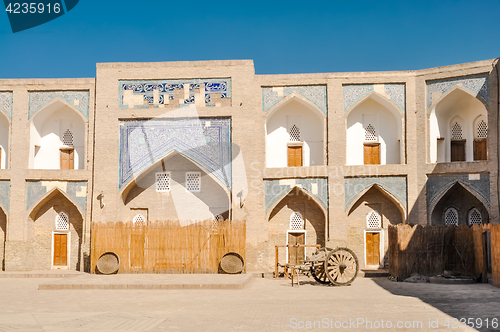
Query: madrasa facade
[329, 158]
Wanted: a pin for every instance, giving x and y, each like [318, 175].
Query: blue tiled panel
[5, 194]
[353, 92]
[396, 185]
[438, 184]
[6, 103]
[274, 191]
[397, 91]
[38, 99]
[36, 190]
[207, 141]
[166, 89]
[478, 85]
[314, 93]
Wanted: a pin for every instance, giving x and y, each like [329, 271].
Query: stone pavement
[263, 305]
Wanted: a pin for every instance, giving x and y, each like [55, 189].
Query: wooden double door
[60, 249]
[294, 156]
[296, 256]
[372, 248]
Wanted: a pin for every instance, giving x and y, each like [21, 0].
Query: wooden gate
[372, 248]
[61, 249]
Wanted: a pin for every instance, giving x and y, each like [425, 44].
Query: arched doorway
[297, 218]
[56, 232]
[368, 220]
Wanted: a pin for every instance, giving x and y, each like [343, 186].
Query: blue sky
[280, 36]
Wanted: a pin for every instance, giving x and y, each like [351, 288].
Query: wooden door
[296, 255]
[67, 159]
[372, 154]
[61, 249]
[480, 150]
[458, 150]
[294, 156]
[372, 248]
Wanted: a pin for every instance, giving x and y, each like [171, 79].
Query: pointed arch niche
[369, 217]
[57, 132]
[458, 108]
[44, 231]
[295, 123]
[297, 202]
[376, 124]
[461, 198]
[177, 203]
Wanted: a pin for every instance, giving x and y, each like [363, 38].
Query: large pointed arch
[387, 103]
[446, 189]
[386, 193]
[299, 98]
[32, 212]
[453, 91]
[56, 104]
[131, 184]
[297, 189]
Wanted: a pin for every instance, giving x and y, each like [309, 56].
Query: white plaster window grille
[475, 217]
[456, 131]
[296, 221]
[193, 181]
[482, 129]
[370, 133]
[451, 217]
[62, 222]
[139, 220]
[295, 134]
[163, 182]
[68, 138]
[373, 220]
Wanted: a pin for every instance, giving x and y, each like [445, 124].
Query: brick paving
[262, 305]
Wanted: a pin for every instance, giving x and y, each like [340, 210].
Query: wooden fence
[168, 247]
[431, 250]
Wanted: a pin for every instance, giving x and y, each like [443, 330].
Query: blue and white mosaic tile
[354, 92]
[396, 185]
[207, 141]
[38, 189]
[437, 185]
[79, 99]
[6, 103]
[314, 93]
[141, 94]
[5, 194]
[397, 91]
[478, 85]
[275, 190]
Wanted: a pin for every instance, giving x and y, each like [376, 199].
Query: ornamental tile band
[206, 141]
[79, 100]
[439, 184]
[6, 103]
[314, 93]
[396, 92]
[176, 93]
[478, 85]
[354, 92]
[396, 185]
[76, 190]
[275, 190]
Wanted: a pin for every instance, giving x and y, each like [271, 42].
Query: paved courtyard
[262, 305]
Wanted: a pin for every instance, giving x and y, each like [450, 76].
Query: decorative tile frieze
[38, 189]
[396, 185]
[176, 93]
[353, 92]
[314, 93]
[477, 85]
[78, 99]
[5, 194]
[207, 141]
[275, 190]
[437, 185]
[397, 91]
[6, 103]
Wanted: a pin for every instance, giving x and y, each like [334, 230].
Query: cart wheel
[341, 266]
[318, 269]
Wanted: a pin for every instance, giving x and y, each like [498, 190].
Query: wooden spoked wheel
[318, 269]
[341, 266]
